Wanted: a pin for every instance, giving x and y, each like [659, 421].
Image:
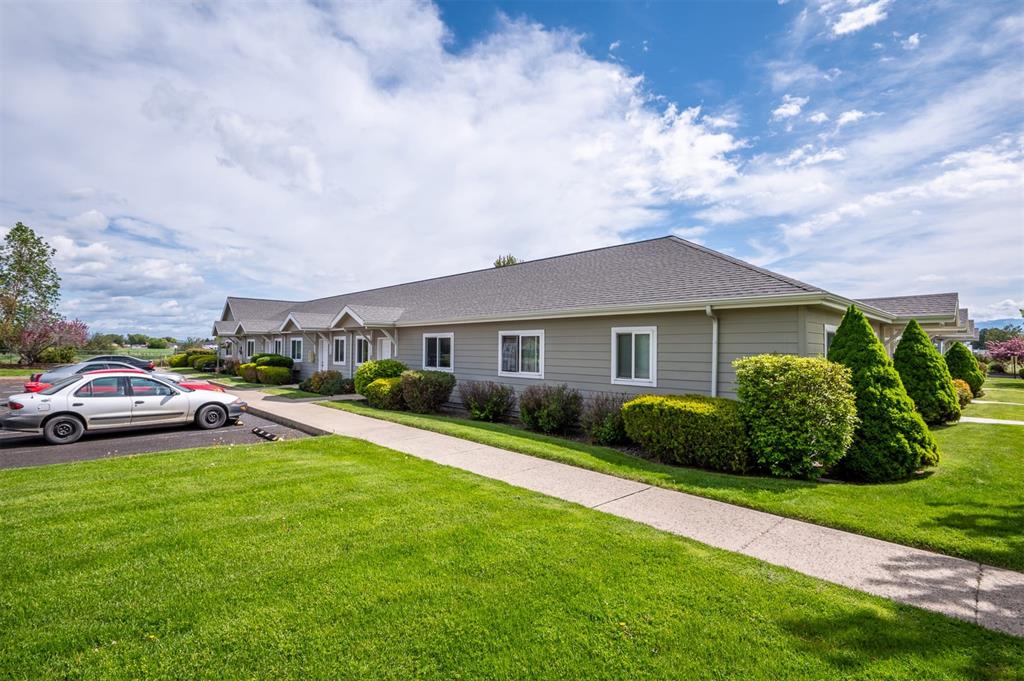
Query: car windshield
[59, 385]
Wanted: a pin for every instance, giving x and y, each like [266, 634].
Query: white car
[112, 399]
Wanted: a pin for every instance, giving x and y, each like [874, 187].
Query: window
[830, 335]
[147, 387]
[295, 349]
[277, 346]
[110, 386]
[362, 350]
[521, 353]
[635, 355]
[437, 351]
[339, 349]
[250, 348]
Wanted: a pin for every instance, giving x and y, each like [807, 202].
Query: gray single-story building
[658, 316]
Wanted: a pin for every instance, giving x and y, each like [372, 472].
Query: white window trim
[248, 342]
[423, 360]
[651, 382]
[279, 342]
[334, 349]
[522, 374]
[829, 328]
[302, 348]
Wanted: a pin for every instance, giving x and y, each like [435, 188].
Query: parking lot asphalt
[22, 449]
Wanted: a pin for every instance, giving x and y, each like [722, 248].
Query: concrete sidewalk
[996, 422]
[989, 596]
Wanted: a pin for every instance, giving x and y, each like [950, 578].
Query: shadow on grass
[1004, 522]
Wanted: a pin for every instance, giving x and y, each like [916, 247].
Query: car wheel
[63, 430]
[211, 416]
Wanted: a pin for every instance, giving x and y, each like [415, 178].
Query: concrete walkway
[979, 419]
[991, 597]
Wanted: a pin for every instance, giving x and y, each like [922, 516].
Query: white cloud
[818, 117]
[862, 17]
[90, 221]
[1008, 308]
[615, 45]
[790, 107]
[693, 234]
[912, 42]
[806, 156]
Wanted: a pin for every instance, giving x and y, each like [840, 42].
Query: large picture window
[339, 349]
[521, 353]
[438, 351]
[362, 350]
[634, 355]
[295, 349]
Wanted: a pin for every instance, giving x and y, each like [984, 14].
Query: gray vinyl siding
[578, 350]
[816, 319]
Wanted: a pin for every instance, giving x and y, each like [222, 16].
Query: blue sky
[175, 154]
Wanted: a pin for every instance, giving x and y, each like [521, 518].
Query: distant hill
[998, 323]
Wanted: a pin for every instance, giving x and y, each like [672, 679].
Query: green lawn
[971, 505]
[334, 558]
[17, 373]
[1003, 390]
[1012, 412]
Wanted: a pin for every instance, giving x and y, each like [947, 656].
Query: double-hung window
[635, 355]
[438, 351]
[295, 349]
[277, 346]
[362, 350]
[339, 349]
[250, 348]
[521, 353]
[830, 335]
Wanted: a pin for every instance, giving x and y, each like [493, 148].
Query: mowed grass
[1010, 412]
[16, 373]
[971, 505]
[334, 558]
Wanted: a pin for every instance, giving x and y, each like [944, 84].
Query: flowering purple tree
[48, 331]
[1011, 350]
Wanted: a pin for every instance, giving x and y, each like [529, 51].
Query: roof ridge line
[736, 261]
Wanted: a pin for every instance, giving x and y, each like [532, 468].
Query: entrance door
[384, 348]
[321, 357]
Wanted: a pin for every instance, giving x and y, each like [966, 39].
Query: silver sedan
[58, 373]
[67, 409]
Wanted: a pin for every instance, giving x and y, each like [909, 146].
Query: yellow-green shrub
[692, 430]
[248, 372]
[274, 375]
[385, 393]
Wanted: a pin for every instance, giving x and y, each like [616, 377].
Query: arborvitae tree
[925, 376]
[961, 364]
[891, 440]
[506, 260]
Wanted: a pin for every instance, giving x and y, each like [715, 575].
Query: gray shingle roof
[922, 305]
[260, 325]
[224, 328]
[664, 270]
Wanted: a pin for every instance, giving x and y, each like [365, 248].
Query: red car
[36, 386]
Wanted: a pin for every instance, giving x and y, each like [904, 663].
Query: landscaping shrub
[799, 412]
[272, 375]
[487, 400]
[57, 355]
[426, 391]
[178, 361]
[994, 368]
[368, 372]
[961, 364]
[229, 367]
[385, 393]
[199, 361]
[272, 360]
[248, 372]
[925, 376]
[601, 419]
[963, 392]
[550, 409]
[891, 441]
[692, 430]
[336, 385]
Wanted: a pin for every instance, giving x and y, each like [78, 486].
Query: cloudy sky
[175, 153]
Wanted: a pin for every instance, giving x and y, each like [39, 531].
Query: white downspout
[714, 351]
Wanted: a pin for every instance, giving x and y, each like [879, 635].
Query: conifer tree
[961, 364]
[925, 376]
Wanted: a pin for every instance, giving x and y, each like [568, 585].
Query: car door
[103, 402]
[156, 402]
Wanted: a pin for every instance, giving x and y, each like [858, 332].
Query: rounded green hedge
[426, 391]
[368, 372]
[274, 375]
[198, 361]
[385, 393]
[925, 376]
[800, 412]
[248, 372]
[691, 430]
[272, 360]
